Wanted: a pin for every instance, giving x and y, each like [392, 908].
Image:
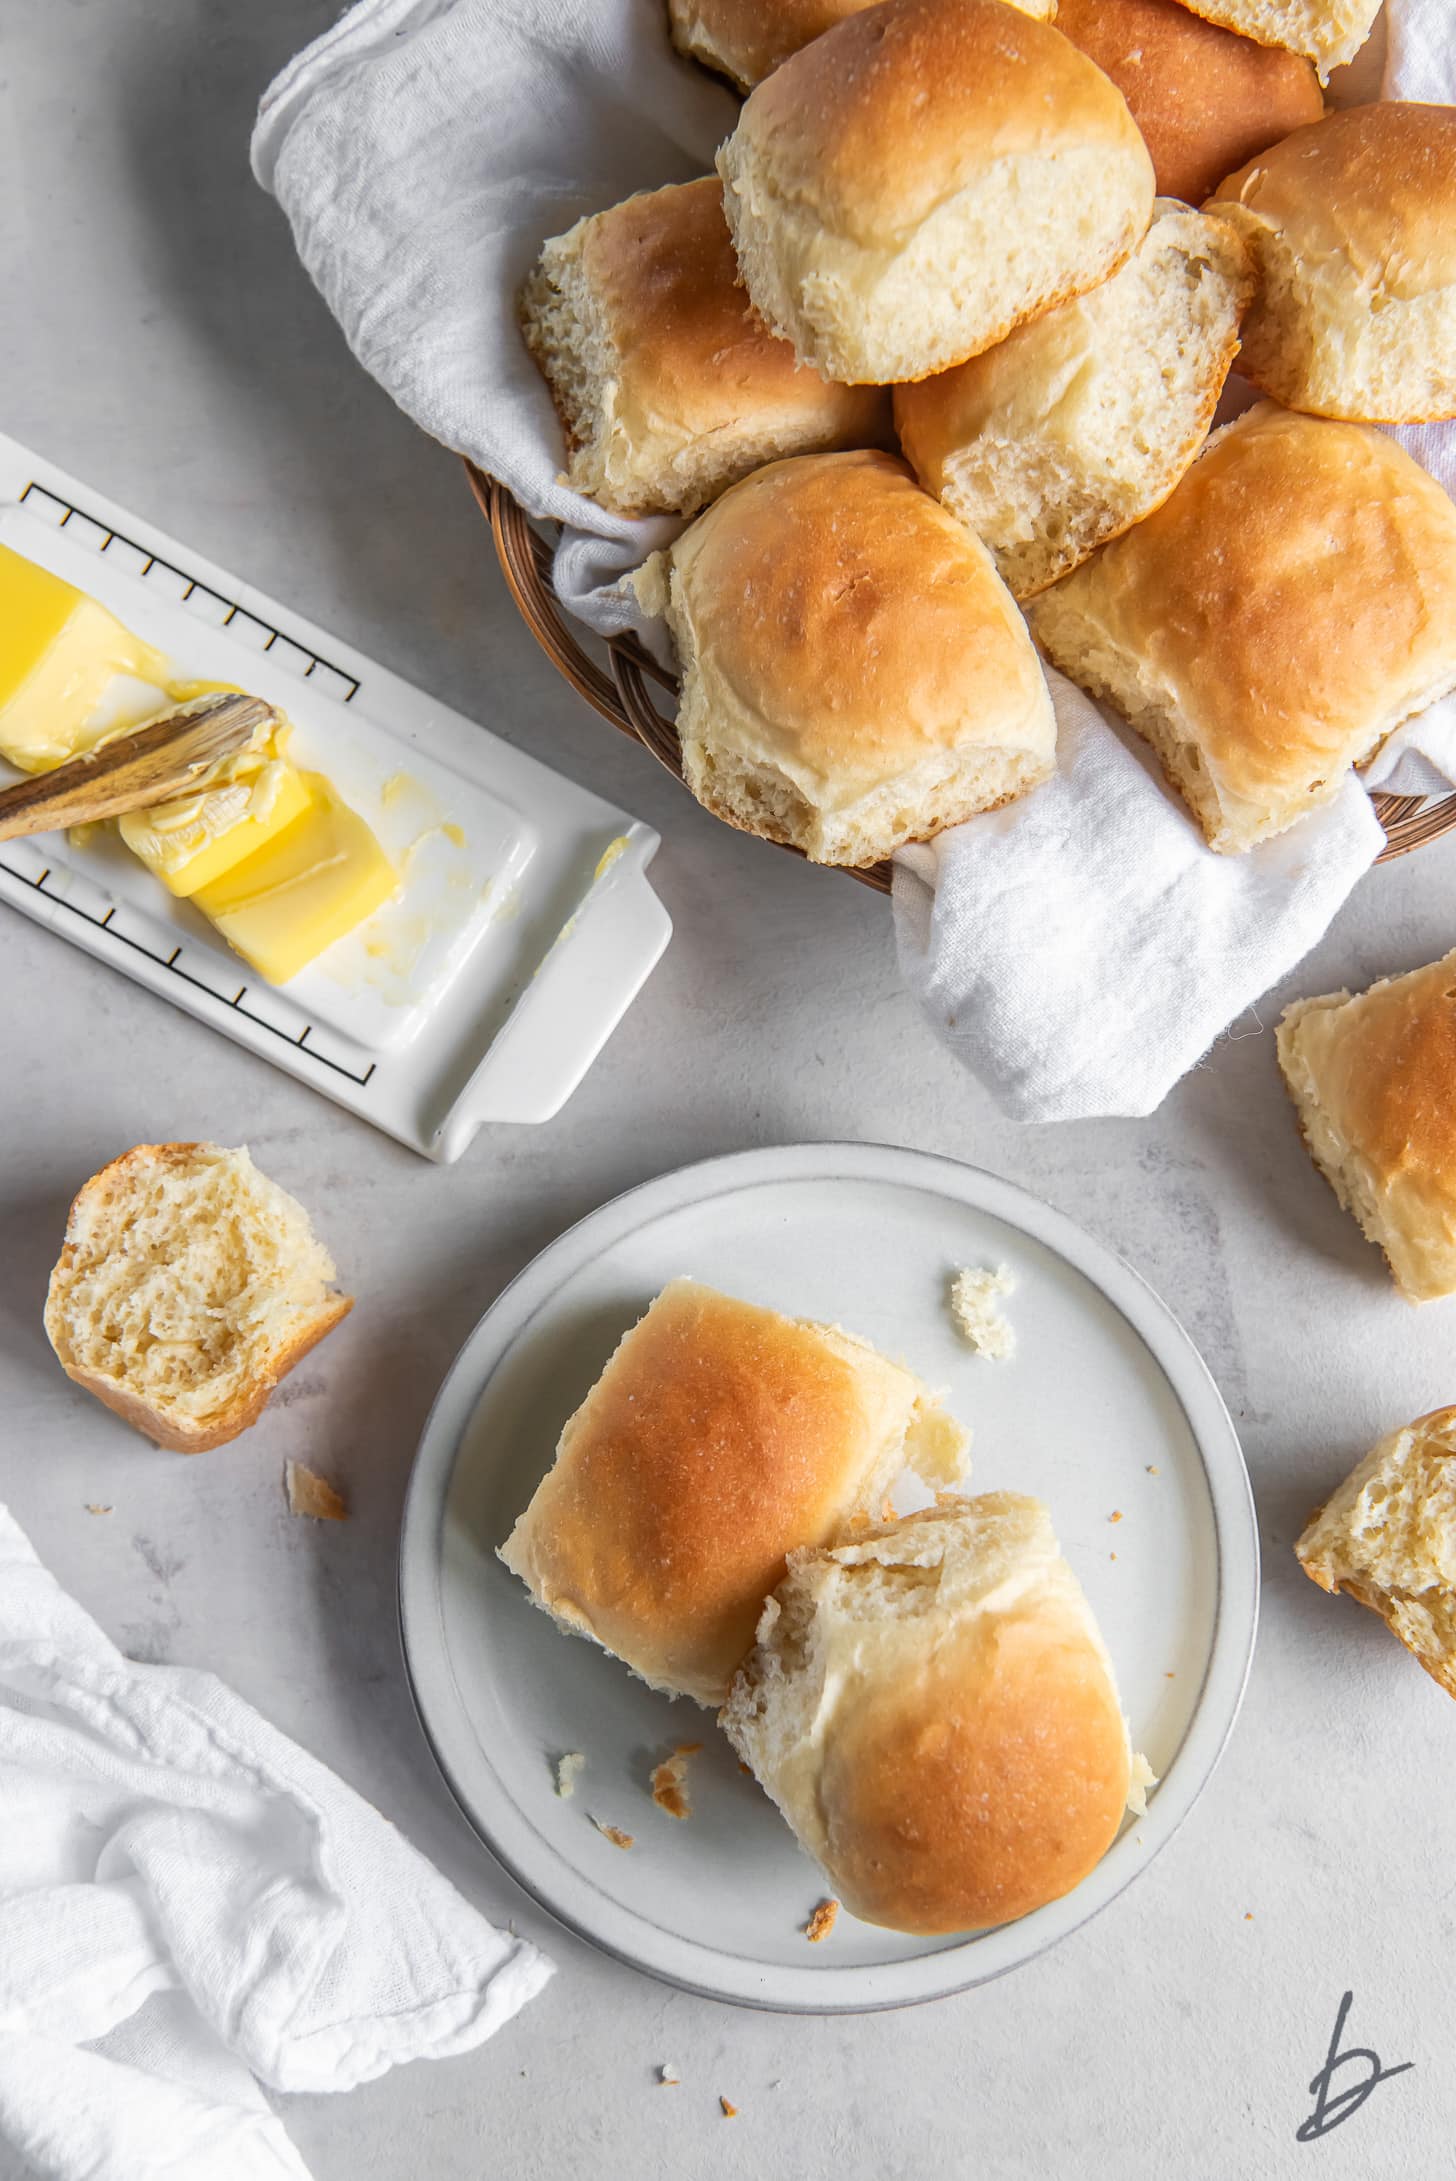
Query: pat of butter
[306, 888]
[245, 803]
[70, 674]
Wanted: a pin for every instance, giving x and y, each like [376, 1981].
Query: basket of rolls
[933, 379]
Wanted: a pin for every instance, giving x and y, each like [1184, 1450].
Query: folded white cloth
[422, 150]
[187, 1894]
[1081, 949]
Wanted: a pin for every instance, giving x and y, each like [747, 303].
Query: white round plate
[1105, 1409]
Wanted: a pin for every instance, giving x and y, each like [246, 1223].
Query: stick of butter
[70, 674]
[307, 886]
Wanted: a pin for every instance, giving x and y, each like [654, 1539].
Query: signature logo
[1331, 2106]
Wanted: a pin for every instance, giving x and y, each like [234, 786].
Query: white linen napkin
[187, 1901]
[423, 149]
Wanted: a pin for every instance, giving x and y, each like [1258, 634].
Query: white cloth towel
[188, 1901]
[1079, 951]
[423, 151]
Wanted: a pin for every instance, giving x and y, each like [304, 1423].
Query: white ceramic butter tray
[524, 927]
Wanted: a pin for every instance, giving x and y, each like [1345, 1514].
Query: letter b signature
[1332, 2106]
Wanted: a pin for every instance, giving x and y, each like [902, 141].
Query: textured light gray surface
[158, 338]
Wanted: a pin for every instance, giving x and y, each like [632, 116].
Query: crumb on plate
[1141, 1778]
[670, 1781]
[730, 2112]
[668, 2077]
[975, 1310]
[93, 1507]
[309, 1494]
[615, 1834]
[821, 1923]
[568, 1764]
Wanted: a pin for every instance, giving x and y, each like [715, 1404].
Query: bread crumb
[1153, 1470]
[1170, 1677]
[668, 2077]
[1248, 1915]
[669, 1781]
[615, 1834]
[1112, 1556]
[730, 2112]
[974, 1309]
[312, 1495]
[567, 1766]
[1116, 1515]
[1141, 1778]
[746, 1769]
[94, 1508]
[821, 1923]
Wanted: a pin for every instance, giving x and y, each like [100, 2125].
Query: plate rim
[827, 1989]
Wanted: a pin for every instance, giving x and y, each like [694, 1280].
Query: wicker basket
[623, 694]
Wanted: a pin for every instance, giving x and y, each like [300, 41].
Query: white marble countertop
[159, 340]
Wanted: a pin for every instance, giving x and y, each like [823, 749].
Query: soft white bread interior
[1387, 1536]
[1289, 604]
[1327, 32]
[854, 672]
[929, 173]
[747, 40]
[189, 1284]
[932, 1708]
[1373, 1079]
[719, 1437]
[668, 384]
[1082, 422]
[1352, 226]
[1204, 99]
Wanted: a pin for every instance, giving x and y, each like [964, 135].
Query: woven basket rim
[623, 693]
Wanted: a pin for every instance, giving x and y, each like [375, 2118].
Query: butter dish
[523, 925]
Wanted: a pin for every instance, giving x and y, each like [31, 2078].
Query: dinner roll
[1204, 98]
[1291, 602]
[931, 1706]
[668, 384]
[1373, 1079]
[922, 178]
[1387, 1536]
[745, 40]
[1352, 224]
[188, 1286]
[855, 675]
[719, 1437]
[1327, 32]
[1074, 427]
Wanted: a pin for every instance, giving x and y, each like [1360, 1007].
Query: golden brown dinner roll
[1291, 602]
[932, 1708]
[718, 1438]
[1374, 1082]
[746, 40]
[189, 1284]
[1387, 1536]
[1352, 225]
[922, 178]
[1327, 32]
[855, 675]
[1204, 98]
[1074, 427]
[667, 382]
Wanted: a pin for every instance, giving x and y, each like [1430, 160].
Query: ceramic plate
[1106, 1409]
